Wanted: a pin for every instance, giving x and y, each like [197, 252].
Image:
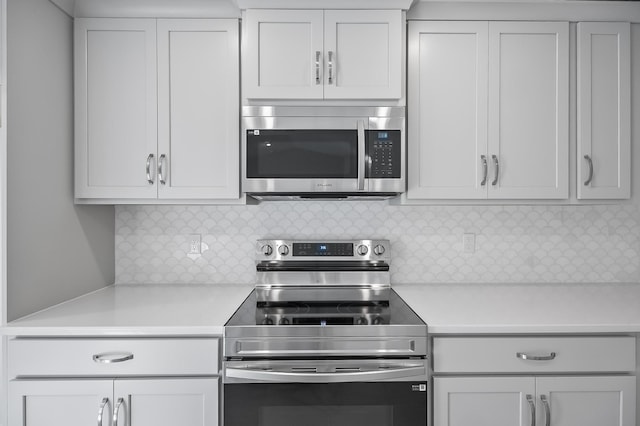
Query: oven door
[325, 393]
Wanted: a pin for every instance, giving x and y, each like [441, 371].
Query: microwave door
[305, 155]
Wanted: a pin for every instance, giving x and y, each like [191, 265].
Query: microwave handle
[361, 156]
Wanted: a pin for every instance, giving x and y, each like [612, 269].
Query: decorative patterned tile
[514, 244]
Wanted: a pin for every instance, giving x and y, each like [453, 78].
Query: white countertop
[525, 308]
[166, 309]
[140, 309]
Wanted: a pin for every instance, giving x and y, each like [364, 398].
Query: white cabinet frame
[604, 110]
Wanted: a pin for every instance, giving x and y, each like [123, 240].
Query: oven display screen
[322, 249]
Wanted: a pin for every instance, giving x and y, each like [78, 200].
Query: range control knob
[378, 320]
[379, 250]
[267, 250]
[284, 321]
[362, 321]
[283, 250]
[267, 321]
[362, 250]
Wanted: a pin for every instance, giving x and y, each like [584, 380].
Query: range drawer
[534, 354]
[43, 357]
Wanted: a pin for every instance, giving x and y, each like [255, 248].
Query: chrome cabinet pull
[528, 357]
[330, 67]
[103, 403]
[318, 53]
[590, 178]
[497, 170]
[161, 163]
[112, 357]
[485, 170]
[361, 148]
[149, 178]
[547, 410]
[532, 407]
[116, 411]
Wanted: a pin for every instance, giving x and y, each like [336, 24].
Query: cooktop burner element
[328, 298]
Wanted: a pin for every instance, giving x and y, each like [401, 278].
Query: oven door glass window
[332, 404]
[302, 154]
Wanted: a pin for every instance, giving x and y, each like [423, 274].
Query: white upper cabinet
[447, 112]
[604, 110]
[198, 107]
[315, 54]
[157, 106]
[488, 110]
[116, 113]
[529, 109]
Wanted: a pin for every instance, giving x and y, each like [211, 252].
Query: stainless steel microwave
[323, 152]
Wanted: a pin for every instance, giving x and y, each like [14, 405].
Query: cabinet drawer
[554, 354]
[112, 357]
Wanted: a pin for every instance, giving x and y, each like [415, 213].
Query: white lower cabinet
[534, 381]
[113, 381]
[135, 402]
[530, 401]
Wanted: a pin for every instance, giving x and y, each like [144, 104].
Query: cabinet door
[529, 110]
[60, 402]
[447, 120]
[604, 110]
[170, 402]
[283, 55]
[587, 401]
[116, 108]
[363, 53]
[473, 401]
[198, 104]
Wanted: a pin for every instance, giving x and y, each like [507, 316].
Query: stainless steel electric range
[324, 340]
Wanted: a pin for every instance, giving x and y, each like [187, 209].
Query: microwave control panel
[383, 152]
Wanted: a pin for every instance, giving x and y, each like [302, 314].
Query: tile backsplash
[512, 243]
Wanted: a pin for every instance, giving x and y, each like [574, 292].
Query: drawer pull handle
[532, 407]
[528, 357]
[547, 410]
[112, 357]
[104, 402]
[116, 411]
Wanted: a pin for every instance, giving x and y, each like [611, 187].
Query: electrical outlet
[195, 244]
[469, 243]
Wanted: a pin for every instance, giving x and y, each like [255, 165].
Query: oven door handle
[349, 375]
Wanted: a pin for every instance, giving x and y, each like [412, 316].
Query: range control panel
[292, 250]
[383, 152]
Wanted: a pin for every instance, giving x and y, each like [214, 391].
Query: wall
[513, 243]
[519, 244]
[55, 250]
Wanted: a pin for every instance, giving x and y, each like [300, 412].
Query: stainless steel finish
[116, 411]
[331, 65]
[338, 118]
[485, 170]
[361, 148]
[161, 164]
[318, 55]
[149, 178]
[112, 357]
[103, 404]
[528, 357]
[288, 291]
[376, 251]
[590, 178]
[331, 346]
[532, 408]
[325, 371]
[496, 166]
[547, 410]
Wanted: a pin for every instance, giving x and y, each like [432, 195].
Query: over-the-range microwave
[323, 152]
